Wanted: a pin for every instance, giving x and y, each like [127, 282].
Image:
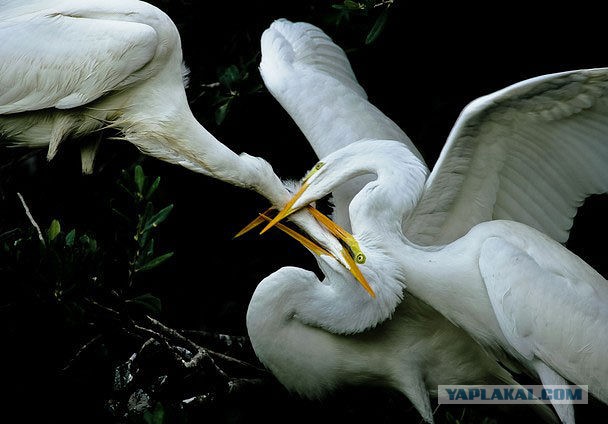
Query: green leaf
[154, 262]
[148, 301]
[377, 28]
[221, 112]
[89, 242]
[121, 215]
[69, 238]
[156, 416]
[126, 189]
[352, 5]
[230, 75]
[158, 218]
[54, 230]
[139, 178]
[142, 239]
[153, 188]
[145, 217]
[150, 250]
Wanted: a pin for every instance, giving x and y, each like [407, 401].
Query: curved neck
[295, 293]
[189, 144]
[303, 357]
[383, 204]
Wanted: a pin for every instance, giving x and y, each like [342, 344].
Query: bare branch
[31, 218]
[195, 347]
[81, 351]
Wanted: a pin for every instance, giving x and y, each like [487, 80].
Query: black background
[428, 63]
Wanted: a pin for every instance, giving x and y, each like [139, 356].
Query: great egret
[70, 68]
[310, 333]
[530, 153]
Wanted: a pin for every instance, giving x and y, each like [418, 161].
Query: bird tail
[542, 410]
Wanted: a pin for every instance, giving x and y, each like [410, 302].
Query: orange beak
[287, 210]
[253, 223]
[347, 261]
[340, 233]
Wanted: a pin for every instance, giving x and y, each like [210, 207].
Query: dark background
[425, 66]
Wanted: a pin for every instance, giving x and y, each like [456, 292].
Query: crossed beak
[343, 257]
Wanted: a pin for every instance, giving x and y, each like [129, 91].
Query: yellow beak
[334, 228]
[253, 223]
[339, 233]
[347, 261]
[287, 209]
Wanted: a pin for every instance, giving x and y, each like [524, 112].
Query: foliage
[365, 8]
[83, 298]
[84, 301]
[68, 266]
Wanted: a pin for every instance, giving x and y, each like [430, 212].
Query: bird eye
[315, 168]
[360, 258]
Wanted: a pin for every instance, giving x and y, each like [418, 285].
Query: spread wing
[312, 79]
[531, 153]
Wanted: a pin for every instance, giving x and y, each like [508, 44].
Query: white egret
[316, 335]
[529, 153]
[70, 68]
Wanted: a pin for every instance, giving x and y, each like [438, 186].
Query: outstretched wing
[67, 55]
[531, 153]
[550, 305]
[312, 79]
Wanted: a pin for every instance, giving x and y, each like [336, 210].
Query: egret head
[383, 277]
[380, 205]
[319, 182]
[335, 254]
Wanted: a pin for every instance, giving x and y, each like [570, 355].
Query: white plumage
[315, 335]
[70, 68]
[531, 153]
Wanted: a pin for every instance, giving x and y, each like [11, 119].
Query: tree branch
[31, 218]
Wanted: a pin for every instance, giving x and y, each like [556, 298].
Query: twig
[387, 3]
[147, 343]
[225, 339]
[111, 311]
[31, 218]
[81, 351]
[236, 384]
[8, 233]
[173, 333]
[151, 333]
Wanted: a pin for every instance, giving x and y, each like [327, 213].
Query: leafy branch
[366, 8]
[141, 188]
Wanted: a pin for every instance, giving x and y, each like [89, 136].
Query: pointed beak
[343, 256]
[253, 224]
[287, 210]
[338, 232]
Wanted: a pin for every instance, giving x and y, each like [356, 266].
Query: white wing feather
[530, 153]
[550, 305]
[67, 55]
[312, 79]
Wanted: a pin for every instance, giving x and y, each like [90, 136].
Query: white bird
[476, 240]
[70, 68]
[317, 335]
